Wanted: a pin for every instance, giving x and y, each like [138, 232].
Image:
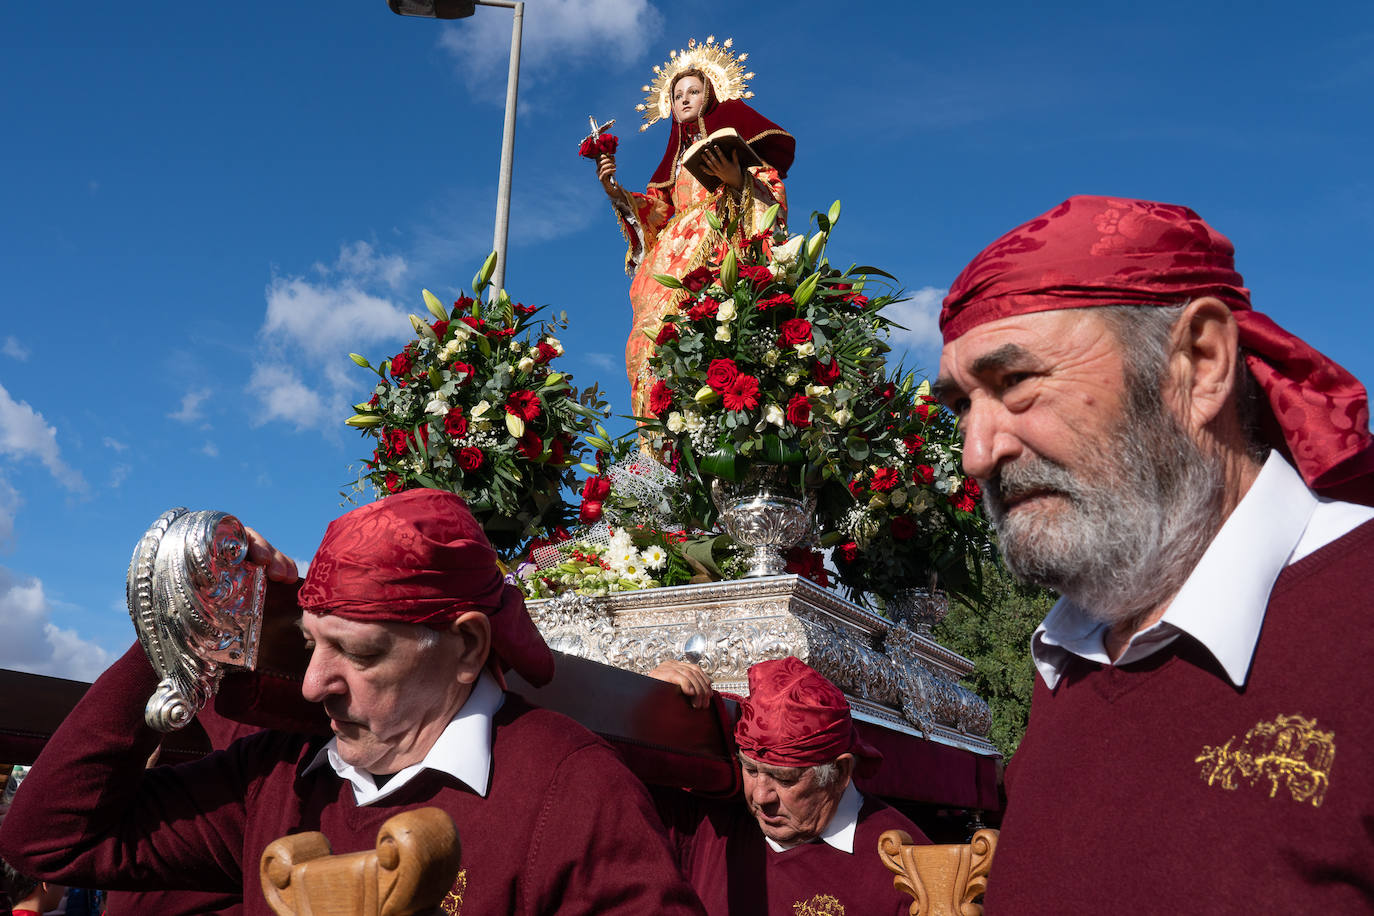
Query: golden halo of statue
[724, 68]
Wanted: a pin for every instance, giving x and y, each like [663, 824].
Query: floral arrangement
[597, 145]
[915, 520]
[474, 405]
[774, 359]
[630, 559]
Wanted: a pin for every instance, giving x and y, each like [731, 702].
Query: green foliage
[996, 637]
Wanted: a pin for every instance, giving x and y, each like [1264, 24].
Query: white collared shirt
[1277, 522]
[462, 750]
[840, 831]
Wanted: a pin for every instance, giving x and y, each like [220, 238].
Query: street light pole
[460, 9]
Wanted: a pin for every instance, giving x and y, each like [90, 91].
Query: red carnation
[884, 479]
[393, 482]
[698, 279]
[913, 443]
[544, 351]
[924, 474]
[470, 458]
[402, 363]
[596, 488]
[848, 552]
[963, 503]
[661, 397]
[922, 412]
[440, 328]
[825, 374]
[721, 374]
[463, 369]
[523, 404]
[885, 391]
[860, 302]
[557, 451]
[743, 393]
[373, 401]
[903, 528]
[775, 301]
[972, 489]
[707, 308]
[526, 310]
[760, 276]
[794, 331]
[455, 424]
[530, 446]
[477, 324]
[856, 487]
[799, 411]
[666, 333]
[463, 303]
[502, 332]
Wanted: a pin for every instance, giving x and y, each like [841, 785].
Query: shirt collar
[462, 750]
[839, 833]
[1220, 609]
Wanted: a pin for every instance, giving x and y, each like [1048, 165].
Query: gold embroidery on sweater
[452, 905]
[819, 905]
[1289, 751]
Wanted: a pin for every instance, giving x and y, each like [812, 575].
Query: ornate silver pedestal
[197, 606]
[892, 675]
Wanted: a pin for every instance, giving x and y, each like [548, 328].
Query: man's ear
[846, 764]
[474, 629]
[1202, 363]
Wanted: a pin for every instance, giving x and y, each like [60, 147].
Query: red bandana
[793, 717]
[1095, 251]
[420, 557]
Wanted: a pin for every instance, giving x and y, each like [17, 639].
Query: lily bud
[436, 308]
[362, 421]
[706, 395]
[360, 360]
[514, 425]
[729, 272]
[814, 246]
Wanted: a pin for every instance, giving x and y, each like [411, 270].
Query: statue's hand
[727, 170]
[605, 171]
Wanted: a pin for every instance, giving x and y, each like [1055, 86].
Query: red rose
[794, 331]
[848, 552]
[455, 424]
[440, 328]
[922, 412]
[590, 512]
[462, 369]
[856, 487]
[525, 310]
[903, 528]
[470, 458]
[393, 483]
[885, 391]
[398, 442]
[884, 479]
[523, 404]
[743, 393]
[825, 374]
[760, 276]
[707, 308]
[587, 150]
[596, 488]
[721, 374]
[858, 301]
[666, 333]
[543, 352]
[558, 451]
[972, 489]
[660, 398]
[530, 446]
[463, 303]
[774, 301]
[607, 144]
[401, 363]
[799, 411]
[808, 563]
[924, 474]
[374, 400]
[913, 443]
[698, 279]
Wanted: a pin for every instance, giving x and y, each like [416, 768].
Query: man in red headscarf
[1174, 464]
[410, 626]
[811, 843]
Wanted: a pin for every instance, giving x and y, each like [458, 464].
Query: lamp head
[433, 9]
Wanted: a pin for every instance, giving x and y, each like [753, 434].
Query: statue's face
[689, 96]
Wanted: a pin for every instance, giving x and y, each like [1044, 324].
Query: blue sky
[205, 207]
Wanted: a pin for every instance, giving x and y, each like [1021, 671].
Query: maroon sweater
[565, 827]
[1160, 787]
[723, 853]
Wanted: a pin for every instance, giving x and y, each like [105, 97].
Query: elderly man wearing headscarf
[1176, 465]
[811, 844]
[410, 627]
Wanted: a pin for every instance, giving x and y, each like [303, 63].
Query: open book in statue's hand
[726, 142]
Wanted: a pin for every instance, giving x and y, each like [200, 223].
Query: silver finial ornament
[196, 603]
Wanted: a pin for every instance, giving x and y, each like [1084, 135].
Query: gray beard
[1127, 527]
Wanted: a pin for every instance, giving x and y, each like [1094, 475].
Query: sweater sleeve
[89, 813]
[596, 854]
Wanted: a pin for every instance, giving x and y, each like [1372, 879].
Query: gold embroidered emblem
[452, 905]
[1289, 751]
[819, 905]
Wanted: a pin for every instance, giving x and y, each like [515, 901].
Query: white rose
[726, 312]
[842, 417]
[786, 256]
[553, 342]
[515, 346]
[817, 391]
[805, 349]
[481, 408]
[525, 365]
[773, 414]
[723, 333]
[792, 378]
[437, 406]
[770, 358]
[675, 422]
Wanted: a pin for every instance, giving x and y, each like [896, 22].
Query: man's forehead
[1011, 341]
[334, 625]
[769, 770]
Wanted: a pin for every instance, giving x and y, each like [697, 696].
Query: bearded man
[1171, 462]
[410, 626]
[805, 841]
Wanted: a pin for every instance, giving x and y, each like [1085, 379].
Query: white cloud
[118, 474]
[554, 34]
[602, 361]
[10, 500]
[30, 641]
[362, 262]
[14, 349]
[283, 396]
[919, 316]
[210, 449]
[112, 442]
[25, 434]
[189, 412]
[326, 320]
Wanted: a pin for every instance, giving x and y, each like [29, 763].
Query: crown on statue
[717, 61]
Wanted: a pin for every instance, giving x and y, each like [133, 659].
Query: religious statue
[702, 89]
